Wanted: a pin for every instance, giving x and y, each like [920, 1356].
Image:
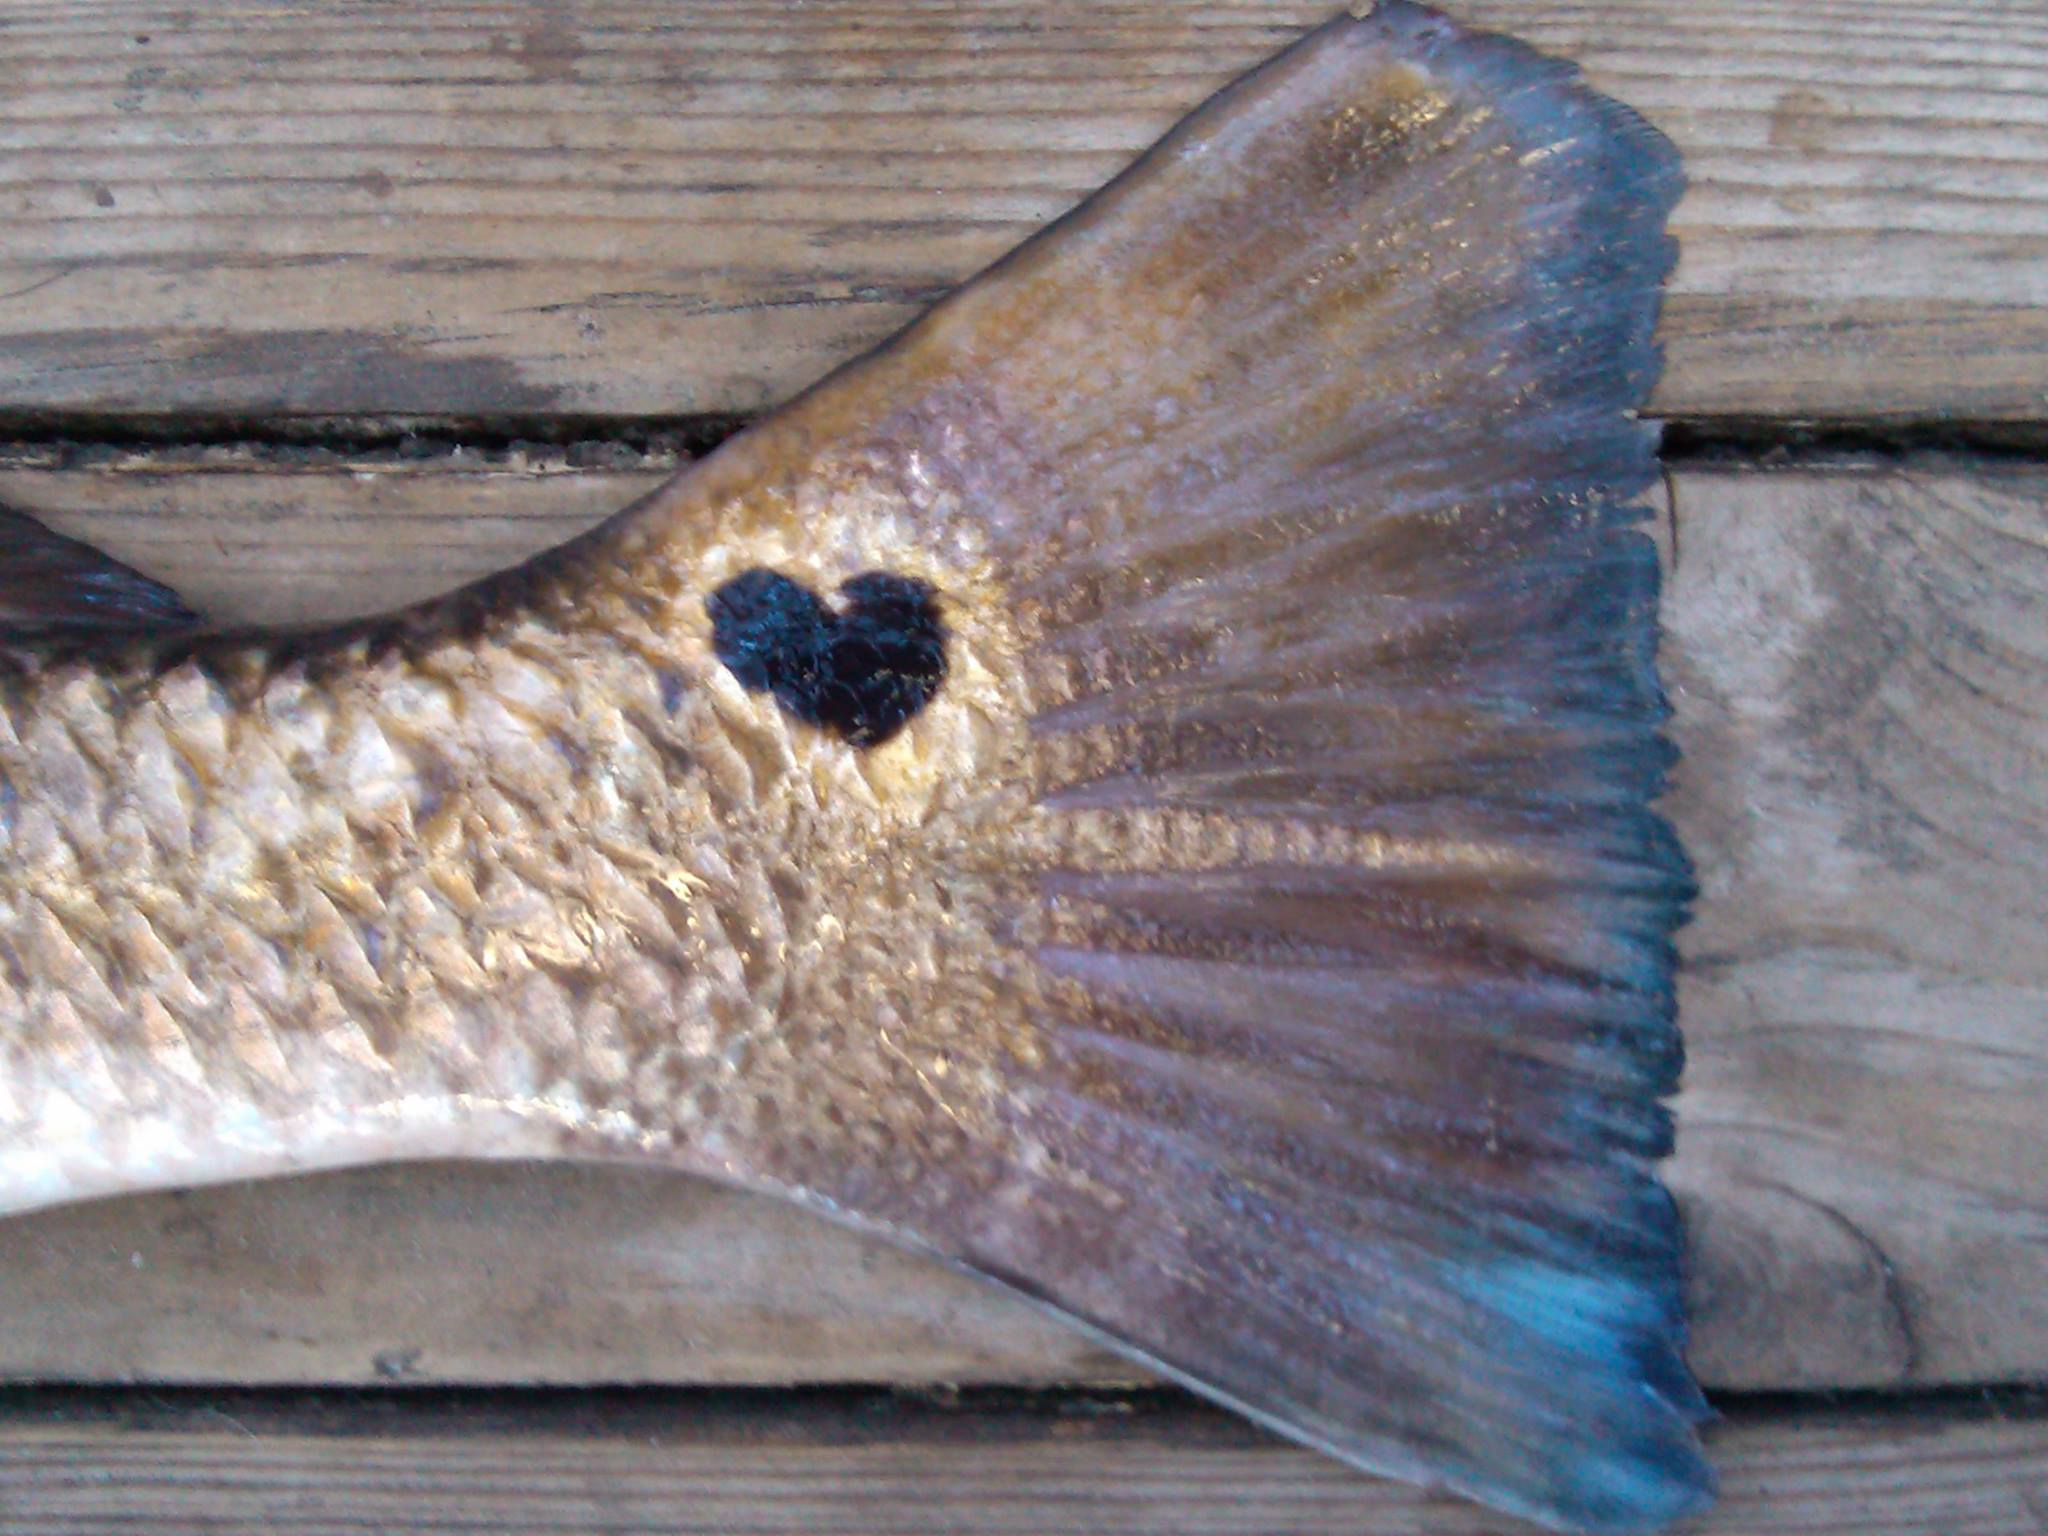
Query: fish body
[1140, 786]
[527, 871]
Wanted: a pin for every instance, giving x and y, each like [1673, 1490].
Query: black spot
[862, 672]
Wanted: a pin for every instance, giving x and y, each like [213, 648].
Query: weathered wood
[1859, 663]
[288, 538]
[514, 1273]
[681, 1464]
[609, 207]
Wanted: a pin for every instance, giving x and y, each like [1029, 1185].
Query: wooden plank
[523, 1274]
[1859, 665]
[1859, 662]
[612, 208]
[661, 1465]
[289, 536]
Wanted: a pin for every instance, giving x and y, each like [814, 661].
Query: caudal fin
[1308, 450]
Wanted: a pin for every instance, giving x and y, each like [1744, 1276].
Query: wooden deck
[310, 310]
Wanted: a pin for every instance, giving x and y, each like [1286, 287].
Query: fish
[1142, 787]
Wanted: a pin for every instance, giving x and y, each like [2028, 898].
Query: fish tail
[1338, 929]
[1350, 932]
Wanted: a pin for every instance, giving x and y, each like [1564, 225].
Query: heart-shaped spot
[862, 671]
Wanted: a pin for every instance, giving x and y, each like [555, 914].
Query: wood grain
[509, 1274]
[1858, 657]
[610, 208]
[653, 1466]
[1859, 664]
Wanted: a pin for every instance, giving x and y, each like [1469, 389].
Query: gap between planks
[1856, 659]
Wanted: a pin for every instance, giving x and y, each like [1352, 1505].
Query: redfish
[1141, 786]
